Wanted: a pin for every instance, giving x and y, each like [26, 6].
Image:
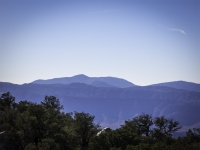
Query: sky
[142, 41]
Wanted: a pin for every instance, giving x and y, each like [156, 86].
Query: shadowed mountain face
[181, 85]
[96, 81]
[112, 105]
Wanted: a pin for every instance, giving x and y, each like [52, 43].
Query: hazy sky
[143, 41]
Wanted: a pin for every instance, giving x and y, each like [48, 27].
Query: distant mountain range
[115, 82]
[96, 81]
[113, 100]
[181, 85]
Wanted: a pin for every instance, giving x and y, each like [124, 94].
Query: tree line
[31, 126]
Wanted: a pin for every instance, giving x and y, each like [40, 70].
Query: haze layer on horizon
[142, 41]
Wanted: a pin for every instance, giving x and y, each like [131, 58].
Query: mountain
[181, 85]
[96, 81]
[100, 84]
[115, 82]
[112, 105]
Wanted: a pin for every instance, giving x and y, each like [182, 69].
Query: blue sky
[143, 41]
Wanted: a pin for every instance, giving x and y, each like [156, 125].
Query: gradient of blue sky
[143, 41]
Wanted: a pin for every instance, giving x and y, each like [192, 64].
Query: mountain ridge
[81, 78]
[191, 86]
[115, 82]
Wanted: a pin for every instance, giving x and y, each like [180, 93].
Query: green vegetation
[30, 126]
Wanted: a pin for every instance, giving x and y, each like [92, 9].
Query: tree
[85, 128]
[103, 140]
[164, 127]
[142, 123]
[193, 135]
[140, 132]
[6, 101]
[51, 102]
[7, 121]
[134, 130]
[36, 126]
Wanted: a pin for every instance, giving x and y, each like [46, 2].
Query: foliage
[164, 128]
[29, 126]
[141, 123]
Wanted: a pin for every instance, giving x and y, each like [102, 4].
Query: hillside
[112, 105]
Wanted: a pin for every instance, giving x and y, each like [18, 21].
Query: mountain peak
[96, 81]
[80, 76]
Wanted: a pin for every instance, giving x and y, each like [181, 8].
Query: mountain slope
[112, 105]
[181, 85]
[96, 81]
